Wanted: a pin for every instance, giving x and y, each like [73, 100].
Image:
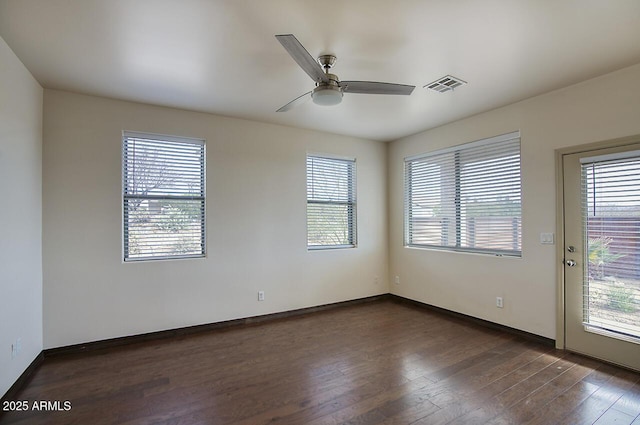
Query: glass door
[602, 254]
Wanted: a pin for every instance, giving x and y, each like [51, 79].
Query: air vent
[445, 84]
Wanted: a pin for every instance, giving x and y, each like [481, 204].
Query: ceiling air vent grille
[445, 84]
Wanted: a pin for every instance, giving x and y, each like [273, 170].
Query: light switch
[547, 238]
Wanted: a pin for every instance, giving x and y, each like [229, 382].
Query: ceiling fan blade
[295, 102]
[374, 87]
[302, 57]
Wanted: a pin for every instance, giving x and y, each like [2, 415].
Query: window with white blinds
[611, 214]
[163, 197]
[331, 202]
[466, 198]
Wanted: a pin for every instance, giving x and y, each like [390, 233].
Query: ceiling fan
[329, 89]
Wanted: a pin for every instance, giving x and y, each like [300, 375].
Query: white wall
[603, 108]
[20, 216]
[256, 224]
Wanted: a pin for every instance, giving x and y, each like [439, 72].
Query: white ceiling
[220, 56]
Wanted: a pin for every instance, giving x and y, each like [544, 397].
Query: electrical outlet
[260, 295]
[376, 280]
[499, 302]
[397, 281]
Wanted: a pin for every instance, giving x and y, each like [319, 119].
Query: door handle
[569, 263]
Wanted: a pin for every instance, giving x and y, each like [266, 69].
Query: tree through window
[331, 203]
[163, 197]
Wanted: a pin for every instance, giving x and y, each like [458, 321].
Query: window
[466, 198]
[331, 202]
[163, 197]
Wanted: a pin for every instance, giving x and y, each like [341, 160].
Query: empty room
[339, 212]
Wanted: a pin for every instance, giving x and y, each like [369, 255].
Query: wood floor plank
[608, 393]
[526, 409]
[565, 402]
[614, 417]
[629, 403]
[483, 405]
[376, 363]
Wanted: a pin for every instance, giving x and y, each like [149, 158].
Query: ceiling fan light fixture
[327, 95]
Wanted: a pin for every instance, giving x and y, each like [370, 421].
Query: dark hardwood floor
[381, 362]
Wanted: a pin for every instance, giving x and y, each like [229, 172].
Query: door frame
[560, 240]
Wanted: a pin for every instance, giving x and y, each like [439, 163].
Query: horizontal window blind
[331, 202]
[466, 198]
[163, 197]
[611, 212]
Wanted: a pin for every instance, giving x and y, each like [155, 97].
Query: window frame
[455, 176]
[125, 255]
[352, 226]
